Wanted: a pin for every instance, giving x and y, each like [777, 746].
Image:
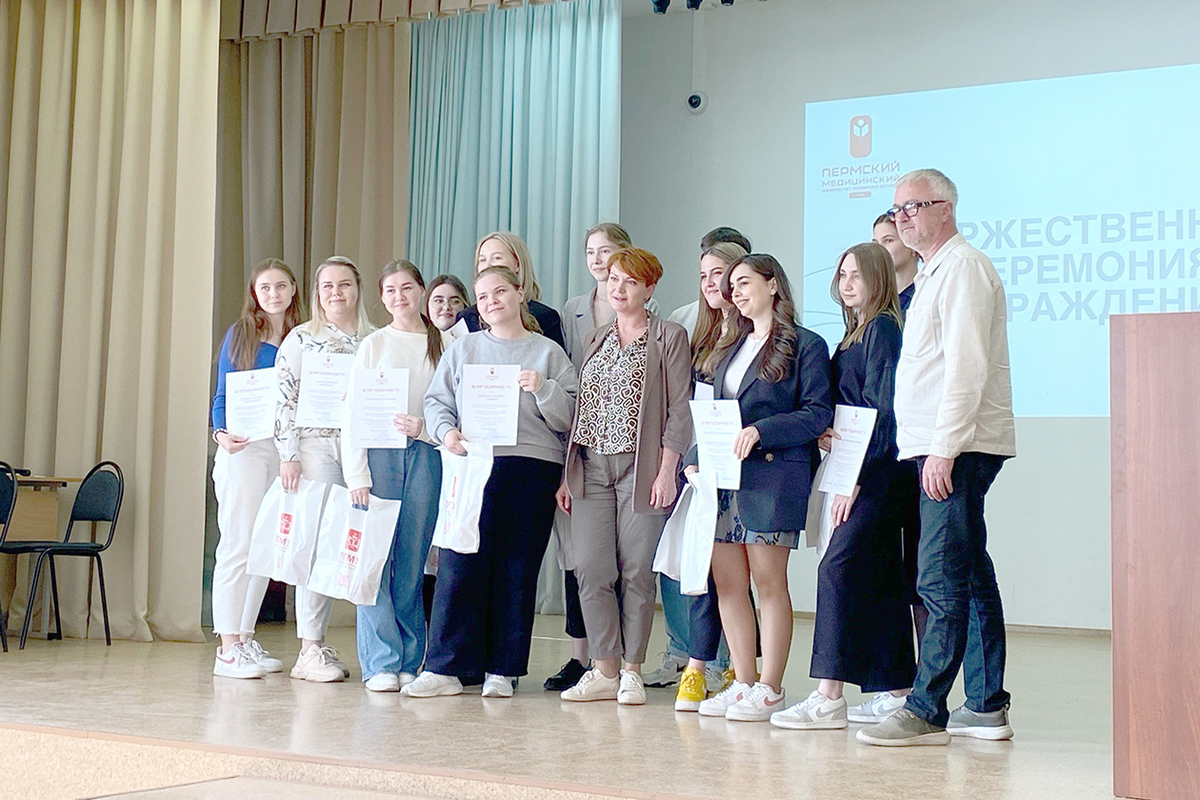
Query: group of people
[604, 440]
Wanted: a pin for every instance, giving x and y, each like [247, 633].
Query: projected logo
[860, 136]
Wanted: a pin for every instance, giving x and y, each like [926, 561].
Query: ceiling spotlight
[726, 2]
[660, 6]
[694, 5]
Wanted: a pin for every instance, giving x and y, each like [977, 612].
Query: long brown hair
[779, 351]
[706, 355]
[878, 275]
[510, 277]
[254, 325]
[433, 347]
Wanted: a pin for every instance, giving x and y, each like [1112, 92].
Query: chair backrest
[98, 498]
[8, 497]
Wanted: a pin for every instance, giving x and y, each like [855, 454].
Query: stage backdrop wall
[516, 120]
[741, 163]
[107, 203]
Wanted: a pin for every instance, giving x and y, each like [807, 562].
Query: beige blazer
[664, 418]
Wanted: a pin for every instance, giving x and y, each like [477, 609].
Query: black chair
[98, 500]
[8, 501]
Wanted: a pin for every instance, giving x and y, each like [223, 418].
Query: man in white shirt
[954, 416]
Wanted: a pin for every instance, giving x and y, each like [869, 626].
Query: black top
[906, 298]
[546, 317]
[864, 375]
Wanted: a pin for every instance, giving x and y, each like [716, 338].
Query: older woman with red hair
[632, 425]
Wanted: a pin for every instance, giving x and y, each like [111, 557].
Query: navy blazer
[790, 416]
[547, 318]
[864, 375]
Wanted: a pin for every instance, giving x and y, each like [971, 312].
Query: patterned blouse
[610, 395]
[298, 342]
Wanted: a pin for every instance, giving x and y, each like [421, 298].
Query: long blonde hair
[706, 355]
[524, 271]
[878, 274]
[318, 321]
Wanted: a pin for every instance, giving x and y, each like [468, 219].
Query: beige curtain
[313, 155]
[107, 206]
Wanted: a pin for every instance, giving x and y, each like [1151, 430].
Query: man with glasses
[954, 417]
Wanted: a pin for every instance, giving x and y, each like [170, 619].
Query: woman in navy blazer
[779, 374]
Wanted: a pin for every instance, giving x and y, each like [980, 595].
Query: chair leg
[3, 631]
[54, 592]
[33, 585]
[103, 599]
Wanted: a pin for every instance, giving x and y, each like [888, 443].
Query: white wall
[741, 164]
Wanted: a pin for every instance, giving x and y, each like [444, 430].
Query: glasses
[439, 302]
[911, 208]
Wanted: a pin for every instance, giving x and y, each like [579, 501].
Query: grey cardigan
[664, 418]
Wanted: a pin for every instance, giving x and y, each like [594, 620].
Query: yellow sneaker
[692, 690]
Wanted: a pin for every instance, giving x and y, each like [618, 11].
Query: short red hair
[638, 264]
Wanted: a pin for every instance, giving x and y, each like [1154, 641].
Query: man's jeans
[958, 584]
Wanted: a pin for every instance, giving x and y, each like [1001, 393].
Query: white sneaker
[758, 703]
[264, 659]
[430, 684]
[877, 709]
[496, 686]
[667, 673]
[236, 662]
[383, 682]
[318, 664]
[632, 691]
[818, 712]
[406, 678]
[335, 658]
[593, 686]
[717, 679]
[717, 705]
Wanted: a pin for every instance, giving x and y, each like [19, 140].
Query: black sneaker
[567, 677]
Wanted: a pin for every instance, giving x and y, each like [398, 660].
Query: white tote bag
[461, 500]
[818, 527]
[285, 532]
[353, 544]
[699, 532]
[670, 544]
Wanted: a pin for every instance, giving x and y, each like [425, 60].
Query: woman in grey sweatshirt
[482, 619]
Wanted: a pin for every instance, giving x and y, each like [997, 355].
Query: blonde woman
[506, 249]
[338, 325]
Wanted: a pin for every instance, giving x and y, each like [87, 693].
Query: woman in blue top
[244, 470]
[863, 633]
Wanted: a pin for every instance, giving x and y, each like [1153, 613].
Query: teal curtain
[516, 125]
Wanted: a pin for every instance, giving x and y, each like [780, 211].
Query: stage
[78, 719]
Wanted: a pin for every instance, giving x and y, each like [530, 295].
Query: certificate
[250, 397]
[846, 454]
[491, 398]
[376, 397]
[324, 378]
[717, 424]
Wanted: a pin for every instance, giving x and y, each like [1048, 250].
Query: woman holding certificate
[779, 374]
[863, 631]
[391, 633]
[246, 465]
[314, 367]
[484, 601]
[632, 424]
[714, 319]
[506, 249]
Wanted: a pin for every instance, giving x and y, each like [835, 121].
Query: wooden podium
[1156, 555]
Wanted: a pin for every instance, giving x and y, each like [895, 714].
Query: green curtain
[516, 125]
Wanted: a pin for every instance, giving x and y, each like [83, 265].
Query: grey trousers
[614, 545]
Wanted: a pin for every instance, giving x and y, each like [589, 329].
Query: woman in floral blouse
[632, 424]
[339, 323]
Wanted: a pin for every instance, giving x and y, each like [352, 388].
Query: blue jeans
[958, 584]
[391, 633]
[678, 612]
